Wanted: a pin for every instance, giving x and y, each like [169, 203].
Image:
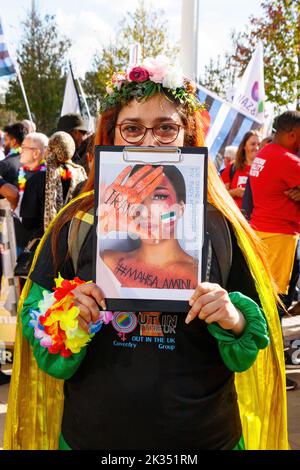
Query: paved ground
[291, 328]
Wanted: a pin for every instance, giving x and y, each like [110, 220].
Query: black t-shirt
[158, 384]
[33, 203]
[9, 169]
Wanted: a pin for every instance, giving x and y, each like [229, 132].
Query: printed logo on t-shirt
[242, 181]
[146, 327]
[257, 166]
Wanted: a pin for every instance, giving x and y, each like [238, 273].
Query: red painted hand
[121, 201]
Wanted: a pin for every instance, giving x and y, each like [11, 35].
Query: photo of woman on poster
[149, 201]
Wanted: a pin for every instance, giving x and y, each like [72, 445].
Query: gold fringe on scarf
[35, 402]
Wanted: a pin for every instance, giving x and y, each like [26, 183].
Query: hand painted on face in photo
[120, 201]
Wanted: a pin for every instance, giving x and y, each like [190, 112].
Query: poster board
[150, 226]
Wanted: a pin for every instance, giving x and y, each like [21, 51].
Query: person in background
[30, 125]
[235, 175]
[74, 125]
[48, 191]
[9, 167]
[33, 152]
[229, 155]
[90, 144]
[275, 185]
[265, 141]
[13, 138]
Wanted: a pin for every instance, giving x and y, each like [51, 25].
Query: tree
[219, 78]
[42, 61]
[145, 26]
[279, 30]
[6, 117]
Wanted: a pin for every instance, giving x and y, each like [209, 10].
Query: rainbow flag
[6, 64]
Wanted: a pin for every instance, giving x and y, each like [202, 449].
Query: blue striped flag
[228, 124]
[6, 64]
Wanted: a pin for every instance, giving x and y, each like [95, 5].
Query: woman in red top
[235, 176]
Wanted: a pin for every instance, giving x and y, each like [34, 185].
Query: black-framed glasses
[164, 133]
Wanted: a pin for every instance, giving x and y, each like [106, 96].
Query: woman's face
[153, 112]
[157, 217]
[251, 148]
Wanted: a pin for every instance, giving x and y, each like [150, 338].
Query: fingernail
[103, 304]
[191, 302]
[188, 319]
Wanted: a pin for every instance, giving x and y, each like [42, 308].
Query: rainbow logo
[124, 322]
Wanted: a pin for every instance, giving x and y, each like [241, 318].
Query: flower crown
[145, 80]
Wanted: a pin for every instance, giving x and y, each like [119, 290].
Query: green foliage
[41, 58]
[218, 77]
[279, 30]
[6, 117]
[145, 26]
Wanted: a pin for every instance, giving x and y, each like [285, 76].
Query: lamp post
[189, 38]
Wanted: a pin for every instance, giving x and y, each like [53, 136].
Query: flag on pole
[249, 95]
[6, 64]
[228, 124]
[71, 103]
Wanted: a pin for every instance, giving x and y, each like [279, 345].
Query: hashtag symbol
[120, 269]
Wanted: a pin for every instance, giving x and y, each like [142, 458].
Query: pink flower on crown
[118, 79]
[137, 74]
[157, 68]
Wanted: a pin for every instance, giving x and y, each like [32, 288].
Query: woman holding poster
[148, 380]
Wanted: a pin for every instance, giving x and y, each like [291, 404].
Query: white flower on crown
[173, 78]
[157, 68]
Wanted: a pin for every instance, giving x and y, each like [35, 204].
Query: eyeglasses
[28, 148]
[164, 133]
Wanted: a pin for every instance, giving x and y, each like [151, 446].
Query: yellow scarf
[35, 403]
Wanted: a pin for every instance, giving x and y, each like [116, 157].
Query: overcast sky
[91, 23]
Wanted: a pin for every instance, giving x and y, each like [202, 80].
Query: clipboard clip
[152, 155]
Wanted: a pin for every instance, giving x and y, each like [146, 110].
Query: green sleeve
[53, 364]
[239, 353]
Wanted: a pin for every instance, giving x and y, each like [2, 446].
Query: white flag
[250, 92]
[71, 99]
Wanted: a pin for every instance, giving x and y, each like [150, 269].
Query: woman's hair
[240, 159]
[174, 176]
[217, 193]
[61, 148]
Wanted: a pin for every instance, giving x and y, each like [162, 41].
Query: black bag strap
[221, 242]
[79, 228]
[232, 172]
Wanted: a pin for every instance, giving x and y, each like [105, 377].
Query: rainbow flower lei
[14, 151]
[55, 322]
[153, 75]
[22, 175]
